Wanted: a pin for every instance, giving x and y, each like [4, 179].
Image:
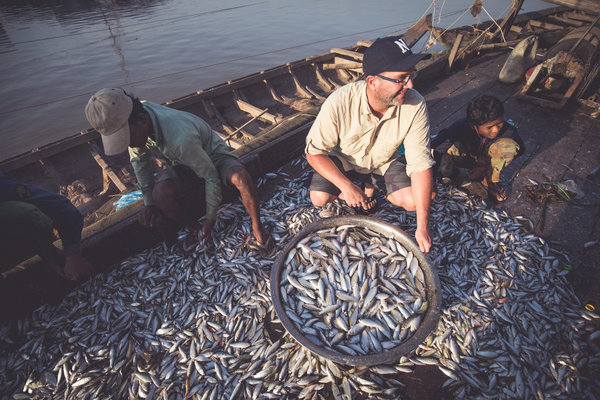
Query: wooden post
[507, 22]
[107, 171]
[454, 50]
[590, 6]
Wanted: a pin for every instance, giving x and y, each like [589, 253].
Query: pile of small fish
[352, 291]
[162, 325]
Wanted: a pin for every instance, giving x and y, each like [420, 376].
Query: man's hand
[423, 239]
[148, 215]
[207, 229]
[354, 196]
[77, 268]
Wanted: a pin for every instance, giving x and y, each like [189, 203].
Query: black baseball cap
[390, 54]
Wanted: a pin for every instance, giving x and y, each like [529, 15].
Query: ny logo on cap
[403, 46]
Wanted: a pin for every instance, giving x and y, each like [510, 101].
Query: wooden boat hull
[264, 117]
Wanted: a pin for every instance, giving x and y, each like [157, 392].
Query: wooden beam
[323, 79]
[271, 90]
[184, 101]
[454, 50]
[508, 21]
[349, 76]
[48, 150]
[590, 6]
[51, 170]
[232, 134]
[222, 121]
[544, 25]
[349, 53]
[417, 30]
[516, 29]
[341, 66]
[364, 43]
[579, 16]
[256, 112]
[495, 46]
[106, 169]
[566, 21]
[299, 86]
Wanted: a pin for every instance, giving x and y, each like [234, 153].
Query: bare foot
[263, 241]
[497, 192]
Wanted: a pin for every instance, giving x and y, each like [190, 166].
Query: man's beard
[393, 101]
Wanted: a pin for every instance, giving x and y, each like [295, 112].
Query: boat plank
[50, 170]
[302, 90]
[354, 65]
[271, 90]
[184, 101]
[591, 6]
[48, 150]
[349, 53]
[107, 170]
[566, 21]
[255, 112]
[579, 16]
[447, 99]
[323, 79]
[455, 47]
[544, 25]
[226, 127]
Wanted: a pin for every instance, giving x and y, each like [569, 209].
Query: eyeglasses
[402, 81]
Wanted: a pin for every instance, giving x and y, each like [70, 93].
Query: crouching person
[483, 143]
[202, 164]
[28, 217]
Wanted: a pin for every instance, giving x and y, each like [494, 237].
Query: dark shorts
[191, 187]
[394, 179]
[186, 178]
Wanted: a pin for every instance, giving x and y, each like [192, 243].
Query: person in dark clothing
[28, 217]
[483, 143]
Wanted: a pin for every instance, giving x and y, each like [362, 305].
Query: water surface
[56, 54]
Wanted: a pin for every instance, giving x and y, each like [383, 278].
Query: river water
[56, 54]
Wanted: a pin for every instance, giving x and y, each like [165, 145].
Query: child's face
[490, 129]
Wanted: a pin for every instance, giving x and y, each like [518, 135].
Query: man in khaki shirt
[361, 127]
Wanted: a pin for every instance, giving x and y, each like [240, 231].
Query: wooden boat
[264, 118]
[549, 25]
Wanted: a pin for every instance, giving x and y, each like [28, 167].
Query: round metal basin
[387, 230]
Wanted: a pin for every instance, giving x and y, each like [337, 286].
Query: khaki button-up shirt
[347, 128]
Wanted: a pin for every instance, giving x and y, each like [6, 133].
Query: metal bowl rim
[431, 282]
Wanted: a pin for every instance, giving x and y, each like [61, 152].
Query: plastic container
[519, 60]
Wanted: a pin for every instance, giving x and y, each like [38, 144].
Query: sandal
[374, 206]
[364, 211]
[266, 249]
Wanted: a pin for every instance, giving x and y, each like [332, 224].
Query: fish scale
[47, 353]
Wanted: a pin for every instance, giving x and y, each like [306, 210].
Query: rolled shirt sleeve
[141, 161]
[321, 139]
